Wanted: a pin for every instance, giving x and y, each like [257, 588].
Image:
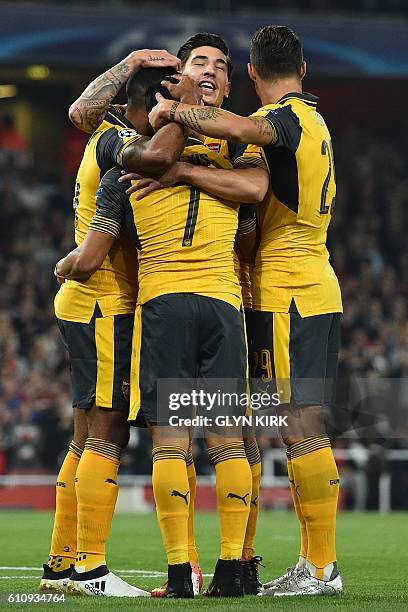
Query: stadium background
[357, 55]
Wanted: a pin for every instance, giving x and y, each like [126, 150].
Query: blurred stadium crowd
[369, 252]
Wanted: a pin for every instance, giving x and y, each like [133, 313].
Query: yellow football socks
[64, 534]
[192, 484]
[298, 510]
[234, 487]
[97, 491]
[172, 496]
[254, 460]
[317, 485]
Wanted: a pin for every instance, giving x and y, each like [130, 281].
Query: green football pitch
[372, 548]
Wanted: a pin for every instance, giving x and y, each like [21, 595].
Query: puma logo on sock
[235, 496]
[176, 493]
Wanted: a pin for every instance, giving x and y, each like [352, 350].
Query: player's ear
[251, 72]
[227, 90]
[302, 69]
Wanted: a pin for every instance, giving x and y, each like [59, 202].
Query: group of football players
[186, 216]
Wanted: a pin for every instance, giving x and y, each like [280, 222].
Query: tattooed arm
[88, 112]
[215, 122]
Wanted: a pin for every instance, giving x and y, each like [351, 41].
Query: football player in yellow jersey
[201, 60]
[95, 317]
[202, 269]
[297, 299]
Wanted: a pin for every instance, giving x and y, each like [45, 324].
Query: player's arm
[89, 110]
[215, 122]
[248, 183]
[104, 228]
[247, 186]
[128, 149]
[83, 261]
[154, 156]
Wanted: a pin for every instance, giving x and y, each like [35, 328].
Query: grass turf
[372, 551]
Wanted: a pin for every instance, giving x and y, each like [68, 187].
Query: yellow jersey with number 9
[292, 260]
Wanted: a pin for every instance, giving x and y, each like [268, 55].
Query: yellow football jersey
[220, 153]
[185, 237]
[114, 286]
[292, 260]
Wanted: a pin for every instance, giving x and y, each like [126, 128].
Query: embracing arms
[215, 122]
[88, 111]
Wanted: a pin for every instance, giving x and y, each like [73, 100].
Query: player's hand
[160, 114]
[152, 58]
[60, 279]
[146, 185]
[183, 88]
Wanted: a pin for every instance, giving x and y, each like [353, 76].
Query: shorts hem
[84, 404]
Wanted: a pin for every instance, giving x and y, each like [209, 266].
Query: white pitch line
[16, 577]
[19, 567]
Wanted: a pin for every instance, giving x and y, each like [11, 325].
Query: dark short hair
[205, 39]
[142, 86]
[276, 51]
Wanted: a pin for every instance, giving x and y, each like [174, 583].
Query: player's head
[144, 84]
[205, 58]
[276, 53]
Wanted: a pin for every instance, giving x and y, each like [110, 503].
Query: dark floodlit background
[357, 53]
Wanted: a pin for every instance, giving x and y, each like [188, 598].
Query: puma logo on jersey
[111, 481]
[335, 481]
[235, 496]
[61, 484]
[254, 501]
[176, 493]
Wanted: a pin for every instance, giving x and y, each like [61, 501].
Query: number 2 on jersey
[327, 149]
[191, 217]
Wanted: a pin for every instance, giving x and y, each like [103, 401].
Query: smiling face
[208, 67]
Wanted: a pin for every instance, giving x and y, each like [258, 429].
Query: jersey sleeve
[246, 156]
[112, 144]
[286, 124]
[111, 203]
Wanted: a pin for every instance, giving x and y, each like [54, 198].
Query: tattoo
[208, 113]
[172, 114]
[193, 116]
[155, 59]
[88, 111]
[265, 128]
[189, 118]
